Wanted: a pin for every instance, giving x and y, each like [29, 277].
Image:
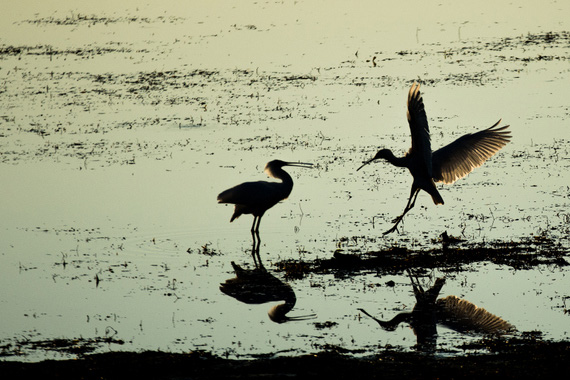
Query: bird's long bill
[300, 164]
[365, 163]
[302, 317]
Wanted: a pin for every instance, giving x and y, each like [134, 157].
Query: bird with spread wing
[447, 164]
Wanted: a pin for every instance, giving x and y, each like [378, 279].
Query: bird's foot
[395, 228]
[396, 221]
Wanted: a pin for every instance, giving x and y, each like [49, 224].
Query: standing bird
[447, 164]
[257, 197]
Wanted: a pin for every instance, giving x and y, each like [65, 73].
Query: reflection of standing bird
[257, 197]
[453, 312]
[257, 286]
[447, 164]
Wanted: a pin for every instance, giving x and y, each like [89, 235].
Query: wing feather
[259, 193]
[462, 315]
[419, 128]
[456, 160]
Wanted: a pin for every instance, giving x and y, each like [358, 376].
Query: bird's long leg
[254, 253]
[255, 242]
[411, 202]
[417, 287]
[257, 249]
[414, 201]
[257, 227]
[253, 225]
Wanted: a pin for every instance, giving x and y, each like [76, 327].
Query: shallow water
[118, 128]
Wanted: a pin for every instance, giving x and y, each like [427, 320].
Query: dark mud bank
[449, 254]
[509, 360]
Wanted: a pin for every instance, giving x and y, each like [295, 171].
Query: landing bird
[447, 164]
[257, 197]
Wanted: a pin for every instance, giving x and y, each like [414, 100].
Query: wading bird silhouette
[258, 197]
[447, 164]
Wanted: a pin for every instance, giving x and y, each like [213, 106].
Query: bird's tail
[238, 210]
[437, 199]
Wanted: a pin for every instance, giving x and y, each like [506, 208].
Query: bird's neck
[278, 313]
[286, 179]
[397, 161]
[394, 322]
[283, 176]
[285, 307]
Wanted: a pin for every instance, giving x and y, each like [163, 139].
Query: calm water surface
[120, 125]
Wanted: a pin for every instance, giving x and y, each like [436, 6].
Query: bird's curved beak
[302, 317]
[365, 163]
[296, 318]
[300, 164]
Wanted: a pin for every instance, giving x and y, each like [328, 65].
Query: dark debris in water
[451, 256]
[325, 325]
[495, 345]
[293, 269]
[74, 346]
[47, 50]
[83, 19]
[205, 250]
[213, 96]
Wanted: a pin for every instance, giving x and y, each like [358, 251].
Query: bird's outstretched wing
[456, 160]
[419, 128]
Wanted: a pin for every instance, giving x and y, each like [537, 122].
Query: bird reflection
[453, 312]
[447, 164]
[257, 286]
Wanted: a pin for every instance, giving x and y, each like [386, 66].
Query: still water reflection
[453, 312]
[257, 286]
[120, 125]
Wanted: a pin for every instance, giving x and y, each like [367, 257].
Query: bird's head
[275, 165]
[382, 153]
[277, 314]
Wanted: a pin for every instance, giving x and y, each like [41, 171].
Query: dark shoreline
[521, 359]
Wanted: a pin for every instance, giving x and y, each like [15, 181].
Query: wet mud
[515, 359]
[453, 255]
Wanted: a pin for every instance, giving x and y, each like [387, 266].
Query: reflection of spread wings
[451, 311]
[255, 286]
[463, 316]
